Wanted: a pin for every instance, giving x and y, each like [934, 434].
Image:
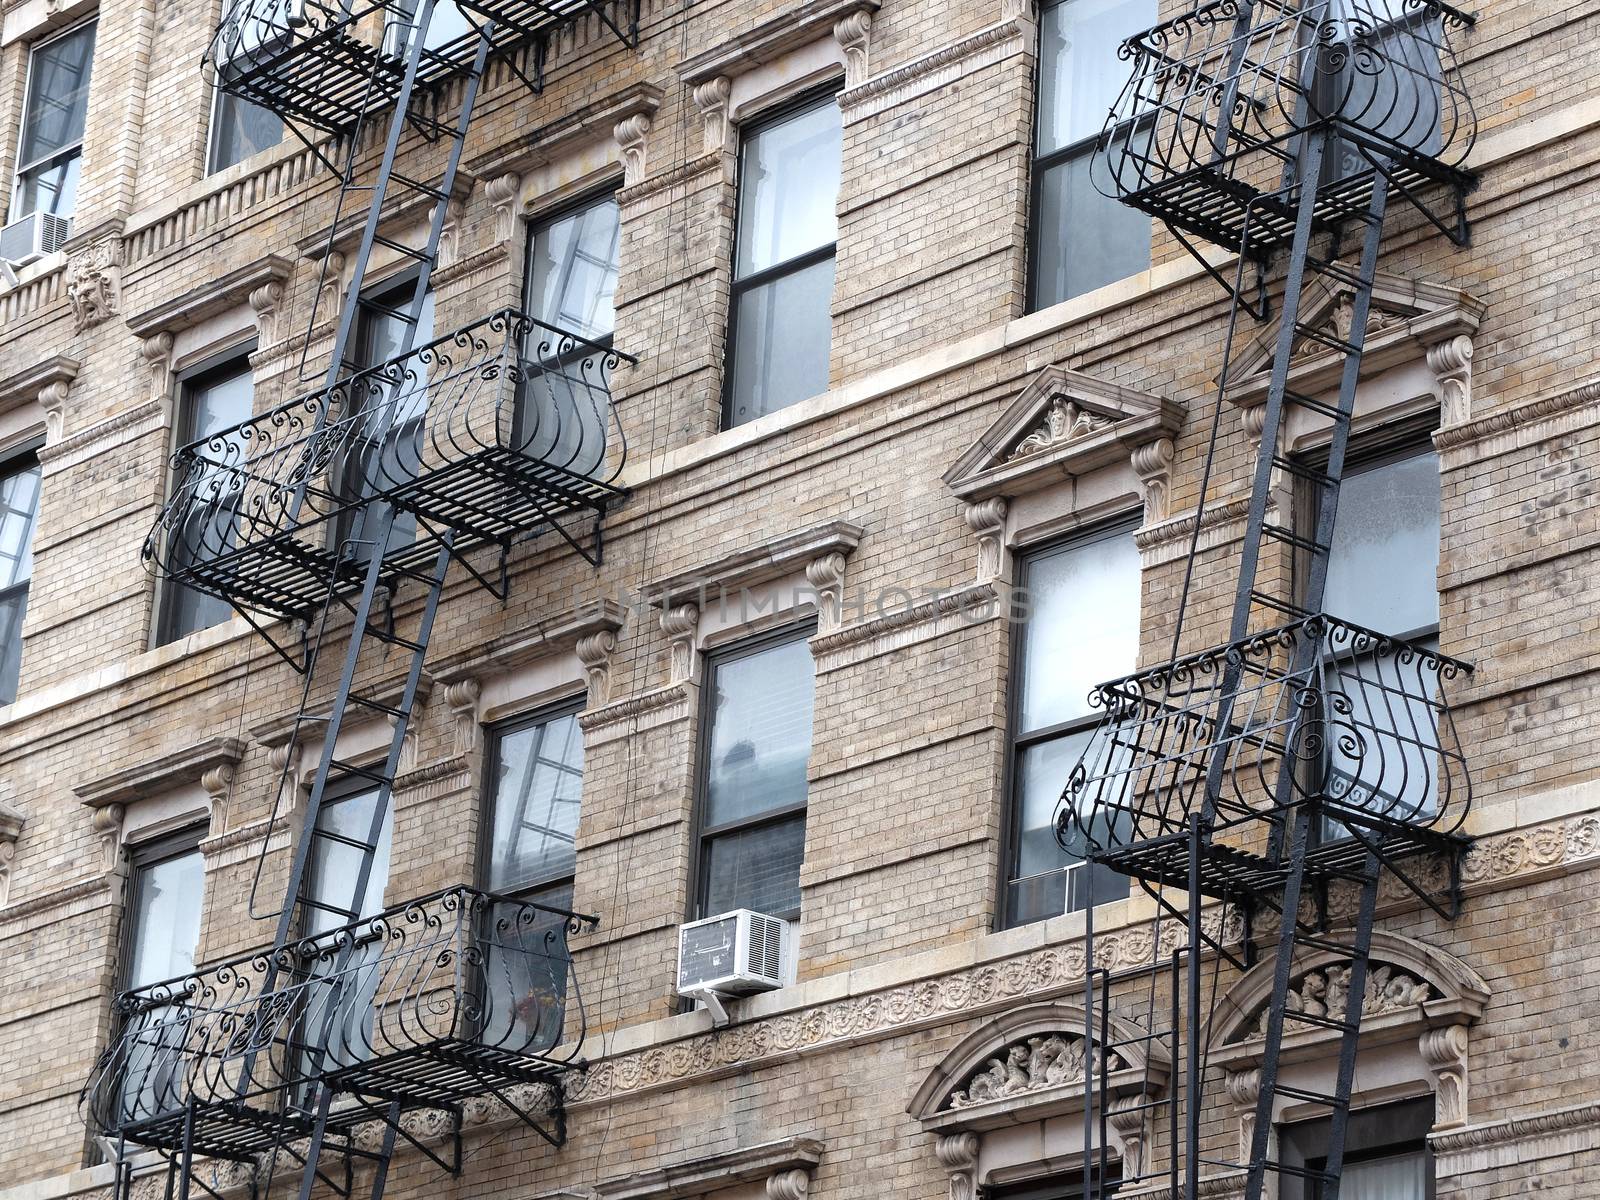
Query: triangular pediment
[1064, 423]
[1405, 317]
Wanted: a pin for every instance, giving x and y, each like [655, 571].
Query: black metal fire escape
[1306, 756]
[350, 503]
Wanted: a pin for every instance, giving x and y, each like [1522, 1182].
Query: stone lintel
[207, 299]
[765, 561]
[771, 39]
[161, 774]
[716, 1171]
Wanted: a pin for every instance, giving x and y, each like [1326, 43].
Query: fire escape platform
[501, 430]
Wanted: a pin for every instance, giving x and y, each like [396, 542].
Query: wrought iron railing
[492, 430]
[1316, 711]
[327, 63]
[429, 1001]
[1211, 116]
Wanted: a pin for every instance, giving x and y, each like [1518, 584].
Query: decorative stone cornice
[527, 646]
[1520, 426]
[406, 205]
[760, 563]
[799, 26]
[453, 770]
[58, 898]
[48, 382]
[712, 167]
[932, 71]
[1517, 1141]
[114, 431]
[660, 701]
[160, 775]
[1062, 425]
[1222, 522]
[594, 121]
[786, 1165]
[259, 284]
[896, 629]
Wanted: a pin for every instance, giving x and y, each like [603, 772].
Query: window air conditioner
[735, 954]
[33, 236]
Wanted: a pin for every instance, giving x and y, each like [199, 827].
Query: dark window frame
[1376, 1132]
[1063, 1185]
[1040, 165]
[141, 856]
[811, 98]
[543, 219]
[66, 154]
[14, 460]
[1121, 524]
[213, 366]
[704, 835]
[493, 734]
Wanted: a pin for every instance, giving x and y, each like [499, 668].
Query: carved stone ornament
[156, 350]
[11, 822]
[853, 33]
[1065, 421]
[265, 303]
[631, 133]
[1048, 1061]
[958, 1154]
[1152, 463]
[1324, 993]
[94, 282]
[594, 652]
[107, 825]
[461, 697]
[711, 98]
[502, 193]
[455, 211]
[1337, 323]
[681, 624]
[987, 519]
[1444, 1049]
[825, 574]
[1451, 364]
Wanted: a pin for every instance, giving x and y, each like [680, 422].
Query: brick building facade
[896, 535]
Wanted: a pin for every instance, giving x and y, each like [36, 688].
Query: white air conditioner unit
[34, 236]
[735, 954]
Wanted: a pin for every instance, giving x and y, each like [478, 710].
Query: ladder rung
[1288, 608]
[344, 840]
[397, 313]
[402, 248]
[1310, 1097]
[1284, 1168]
[394, 639]
[348, 768]
[1284, 534]
[1336, 270]
[417, 185]
[387, 710]
[329, 908]
[1321, 943]
[1314, 405]
[1305, 1018]
[1300, 471]
[1325, 338]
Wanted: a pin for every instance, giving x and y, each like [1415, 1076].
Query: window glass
[52, 124]
[334, 865]
[213, 403]
[1386, 1154]
[240, 129]
[1082, 630]
[1383, 568]
[1082, 240]
[166, 918]
[789, 188]
[572, 270]
[19, 507]
[781, 323]
[754, 781]
[538, 788]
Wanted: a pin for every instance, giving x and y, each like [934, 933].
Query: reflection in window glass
[166, 917]
[754, 783]
[1082, 240]
[1082, 630]
[51, 145]
[240, 129]
[19, 508]
[334, 865]
[781, 328]
[572, 270]
[538, 788]
[1383, 567]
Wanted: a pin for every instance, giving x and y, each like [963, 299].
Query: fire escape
[338, 515]
[1307, 757]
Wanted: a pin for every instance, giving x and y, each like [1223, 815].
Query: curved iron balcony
[498, 429]
[1207, 130]
[325, 63]
[456, 994]
[1319, 711]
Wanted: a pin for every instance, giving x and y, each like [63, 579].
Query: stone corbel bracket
[11, 823]
[590, 632]
[786, 1166]
[820, 552]
[710, 73]
[47, 383]
[210, 763]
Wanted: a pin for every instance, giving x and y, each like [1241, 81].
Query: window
[19, 508]
[1082, 630]
[1082, 240]
[1066, 1186]
[239, 129]
[387, 451]
[780, 329]
[1383, 568]
[163, 932]
[1386, 1154]
[571, 279]
[213, 400]
[753, 777]
[536, 788]
[51, 146]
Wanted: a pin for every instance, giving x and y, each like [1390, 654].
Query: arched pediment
[1028, 1064]
[1410, 985]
